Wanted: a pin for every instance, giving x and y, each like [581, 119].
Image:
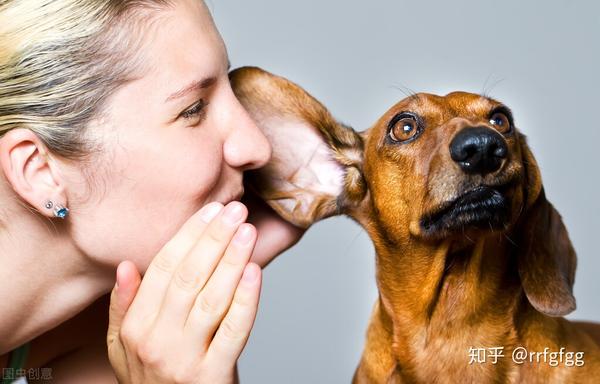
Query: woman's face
[173, 140]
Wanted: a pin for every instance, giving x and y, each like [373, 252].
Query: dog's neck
[433, 281]
[430, 294]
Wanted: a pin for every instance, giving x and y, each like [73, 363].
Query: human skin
[161, 159]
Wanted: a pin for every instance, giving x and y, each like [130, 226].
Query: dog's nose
[478, 150]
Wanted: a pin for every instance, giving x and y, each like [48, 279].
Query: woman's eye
[404, 129]
[195, 110]
[501, 122]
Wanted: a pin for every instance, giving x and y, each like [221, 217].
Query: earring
[59, 211]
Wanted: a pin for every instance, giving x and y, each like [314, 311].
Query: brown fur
[439, 293]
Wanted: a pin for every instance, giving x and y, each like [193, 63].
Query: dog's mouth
[484, 207]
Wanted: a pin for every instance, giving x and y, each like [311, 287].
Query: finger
[197, 267]
[214, 300]
[126, 287]
[161, 269]
[233, 333]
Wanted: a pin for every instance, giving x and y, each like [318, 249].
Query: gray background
[540, 58]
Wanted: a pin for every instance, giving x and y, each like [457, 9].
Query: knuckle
[151, 354]
[210, 306]
[186, 280]
[243, 298]
[232, 331]
[229, 262]
[128, 335]
[181, 371]
[184, 376]
[164, 261]
[216, 235]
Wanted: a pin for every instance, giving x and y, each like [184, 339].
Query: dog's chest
[455, 354]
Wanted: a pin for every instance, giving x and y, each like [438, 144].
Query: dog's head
[463, 159]
[431, 168]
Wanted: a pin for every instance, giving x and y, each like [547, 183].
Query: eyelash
[195, 110]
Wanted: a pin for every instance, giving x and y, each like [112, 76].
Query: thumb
[121, 297]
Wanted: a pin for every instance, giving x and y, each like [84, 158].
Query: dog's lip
[475, 198]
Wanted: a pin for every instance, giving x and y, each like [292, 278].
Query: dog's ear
[316, 167]
[546, 257]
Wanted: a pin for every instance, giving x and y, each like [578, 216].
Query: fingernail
[250, 273]
[210, 211]
[243, 235]
[233, 213]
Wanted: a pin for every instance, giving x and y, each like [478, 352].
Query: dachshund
[475, 268]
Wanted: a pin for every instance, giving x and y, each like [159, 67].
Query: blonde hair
[61, 59]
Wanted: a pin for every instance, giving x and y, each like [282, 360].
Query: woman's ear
[30, 171]
[316, 166]
[546, 257]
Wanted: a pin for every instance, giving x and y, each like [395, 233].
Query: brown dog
[474, 265]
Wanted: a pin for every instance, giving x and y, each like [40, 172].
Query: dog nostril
[478, 150]
[500, 151]
[470, 151]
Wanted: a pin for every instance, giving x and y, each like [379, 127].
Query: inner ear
[316, 166]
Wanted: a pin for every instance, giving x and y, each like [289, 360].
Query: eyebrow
[196, 85]
[200, 84]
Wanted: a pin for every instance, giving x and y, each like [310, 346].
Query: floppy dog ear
[315, 170]
[546, 257]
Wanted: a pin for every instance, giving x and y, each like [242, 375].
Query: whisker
[466, 236]
[408, 92]
[510, 240]
[487, 86]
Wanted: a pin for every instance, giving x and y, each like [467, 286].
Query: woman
[123, 146]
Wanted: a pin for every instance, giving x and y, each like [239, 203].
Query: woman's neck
[45, 279]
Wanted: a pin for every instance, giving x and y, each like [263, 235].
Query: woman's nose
[246, 146]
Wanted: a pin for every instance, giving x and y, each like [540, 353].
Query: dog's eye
[501, 122]
[404, 128]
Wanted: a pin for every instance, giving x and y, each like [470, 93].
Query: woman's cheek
[203, 164]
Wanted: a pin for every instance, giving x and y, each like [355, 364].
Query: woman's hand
[275, 235]
[189, 318]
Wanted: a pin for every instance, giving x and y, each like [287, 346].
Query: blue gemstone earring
[59, 211]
